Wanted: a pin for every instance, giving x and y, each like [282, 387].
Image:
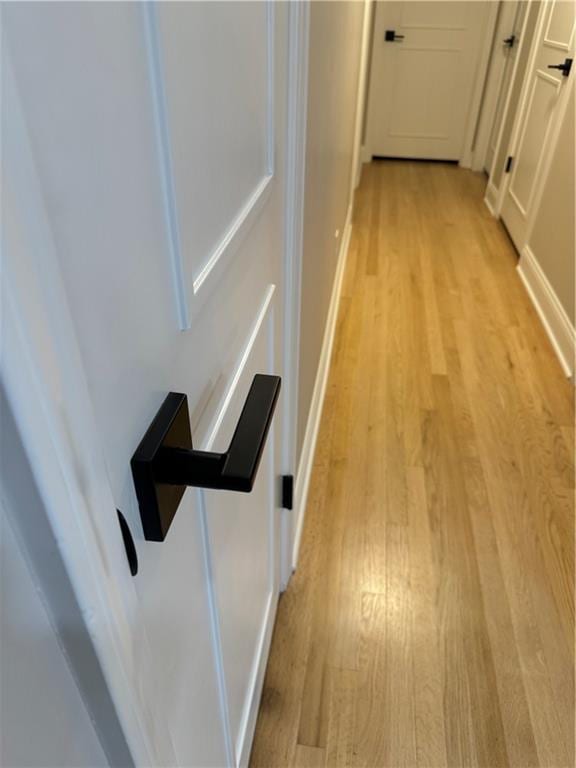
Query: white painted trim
[299, 21]
[313, 424]
[556, 322]
[210, 433]
[232, 238]
[491, 198]
[362, 95]
[160, 111]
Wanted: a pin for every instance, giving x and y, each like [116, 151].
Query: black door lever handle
[165, 462]
[390, 36]
[564, 68]
[509, 41]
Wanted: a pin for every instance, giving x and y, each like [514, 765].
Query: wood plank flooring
[431, 619]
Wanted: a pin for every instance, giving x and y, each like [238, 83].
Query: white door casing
[421, 87]
[143, 241]
[544, 98]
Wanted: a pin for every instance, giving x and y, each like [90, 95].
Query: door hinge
[287, 491]
[509, 164]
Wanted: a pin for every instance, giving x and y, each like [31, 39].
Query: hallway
[430, 621]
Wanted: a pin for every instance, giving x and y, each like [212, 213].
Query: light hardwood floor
[430, 621]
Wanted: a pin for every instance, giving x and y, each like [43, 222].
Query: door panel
[421, 85]
[179, 635]
[152, 132]
[542, 102]
[560, 27]
[540, 112]
[243, 536]
[423, 94]
[219, 123]
[437, 15]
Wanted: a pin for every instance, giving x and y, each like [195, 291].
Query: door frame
[33, 321]
[296, 119]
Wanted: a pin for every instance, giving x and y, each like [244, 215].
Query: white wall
[334, 60]
[552, 237]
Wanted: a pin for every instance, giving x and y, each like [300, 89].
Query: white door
[424, 58]
[506, 46]
[143, 202]
[543, 100]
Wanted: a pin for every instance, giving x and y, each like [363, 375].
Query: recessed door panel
[422, 105]
[539, 113]
[560, 27]
[433, 15]
[241, 529]
[218, 118]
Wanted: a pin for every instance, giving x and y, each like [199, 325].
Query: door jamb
[298, 35]
[362, 96]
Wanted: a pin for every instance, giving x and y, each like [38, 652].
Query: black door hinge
[287, 491]
[509, 164]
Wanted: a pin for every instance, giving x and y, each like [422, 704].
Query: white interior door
[504, 51]
[544, 97]
[424, 57]
[506, 44]
[143, 245]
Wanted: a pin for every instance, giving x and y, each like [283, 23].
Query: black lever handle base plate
[390, 36]
[158, 502]
[165, 462]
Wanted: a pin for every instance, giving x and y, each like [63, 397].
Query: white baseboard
[313, 424]
[491, 199]
[556, 323]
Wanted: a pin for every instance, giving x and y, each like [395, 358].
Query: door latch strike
[287, 491]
